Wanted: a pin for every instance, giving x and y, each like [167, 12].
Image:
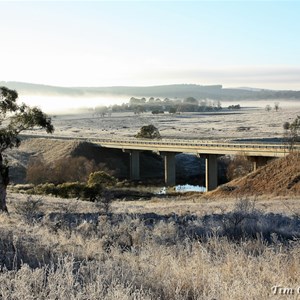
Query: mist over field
[55, 99]
[68, 104]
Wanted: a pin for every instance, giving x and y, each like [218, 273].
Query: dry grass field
[187, 248]
[195, 246]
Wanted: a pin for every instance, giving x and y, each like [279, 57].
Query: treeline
[160, 106]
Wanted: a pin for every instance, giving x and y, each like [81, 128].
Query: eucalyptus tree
[15, 118]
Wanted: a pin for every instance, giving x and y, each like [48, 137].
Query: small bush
[237, 224]
[238, 166]
[101, 179]
[157, 111]
[66, 190]
[286, 125]
[47, 188]
[104, 201]
[148, 132]
[243, 128]
[70, 189]
[37, 171]
[29, 209]
[172, 110]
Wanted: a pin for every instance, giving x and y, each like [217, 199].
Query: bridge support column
[258, 161]
[170, 169]
[211, 172]
[134, 165]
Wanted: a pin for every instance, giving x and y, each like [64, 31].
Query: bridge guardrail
[194, 143]
[175, 142]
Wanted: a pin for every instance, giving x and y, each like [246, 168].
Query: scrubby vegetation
[291, 132]
[148, 132]
[67, 169]
[238, 166]
[71, 177]
[79, 253]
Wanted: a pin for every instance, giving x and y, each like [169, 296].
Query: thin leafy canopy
[15, 118]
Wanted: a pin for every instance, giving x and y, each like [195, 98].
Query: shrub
[292, 132]
[101, 179]
[103, 201]
[238, 166]
[68, 190]
[29, 209]
[67, 169]
[268, 108]
[157, 111]
[236, 224]
[148, 132]
[286, 125]
[47, 188]
[37, 171]
[172, 110]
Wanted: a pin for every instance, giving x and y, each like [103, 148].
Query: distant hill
[216, 92]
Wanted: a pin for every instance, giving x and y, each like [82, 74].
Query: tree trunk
[3, 206]
[4, 180]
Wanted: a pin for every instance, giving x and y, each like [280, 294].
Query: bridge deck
[197, 147]
[186, 146]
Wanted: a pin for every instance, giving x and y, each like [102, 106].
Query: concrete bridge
[258, 153]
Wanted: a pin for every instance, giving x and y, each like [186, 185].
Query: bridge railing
[196, 143]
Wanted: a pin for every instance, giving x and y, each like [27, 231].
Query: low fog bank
[66, 104]
[85, 104]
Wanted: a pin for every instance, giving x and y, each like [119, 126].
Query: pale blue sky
[100, 43]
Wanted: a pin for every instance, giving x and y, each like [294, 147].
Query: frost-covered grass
[76, 253]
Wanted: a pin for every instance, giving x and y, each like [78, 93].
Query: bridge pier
[210, 150]
[211, 171]
[134, 164]
[170, 169]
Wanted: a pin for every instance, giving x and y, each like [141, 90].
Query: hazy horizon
[154, 85]
[67, 104]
